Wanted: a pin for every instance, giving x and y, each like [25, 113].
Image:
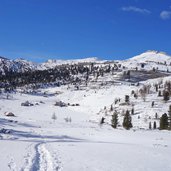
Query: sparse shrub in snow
[123, 112]
[117, 100]
[152, 104]
[111, 108]
[67, 119]
[149, 125]
[54, 117]
[127, 120]
[144, 91]
[159, 94]
[142, 65]
[102, 121]
[156, 87]
[135, 95]
[145, 119]
[132, 92]
[160, 83]
[167, 86]
[154, 69]
[114, 121]
[106, 113]
[127, 99]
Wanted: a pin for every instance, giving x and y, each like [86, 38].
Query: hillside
[58, 111]
[149, 60]
[16, 66]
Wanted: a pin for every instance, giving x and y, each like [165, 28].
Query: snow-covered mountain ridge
[154, 56]
[17, 65]
[150, 59]
[54, 62]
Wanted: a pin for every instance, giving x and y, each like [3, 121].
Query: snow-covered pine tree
[114, 121]
[149, 125]
[154, 125]
[169, 118]
[164, 121]
[127, 120]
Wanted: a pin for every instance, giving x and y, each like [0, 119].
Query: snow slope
[51, 63]
[37, 142]
[150, 59]
[154, 56]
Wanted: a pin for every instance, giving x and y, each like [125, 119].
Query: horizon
[98, 58]
[41, 30]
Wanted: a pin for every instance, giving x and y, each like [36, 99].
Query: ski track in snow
[12, 165]
[42, 161]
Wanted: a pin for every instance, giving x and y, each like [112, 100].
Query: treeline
[64, 73]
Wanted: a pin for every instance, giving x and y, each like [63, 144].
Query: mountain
[63, 114]
[149, 60]
[152, 56]
[17, 65]
[2, 57]
[51, 63]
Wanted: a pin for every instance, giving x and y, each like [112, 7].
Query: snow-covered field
[38, 142]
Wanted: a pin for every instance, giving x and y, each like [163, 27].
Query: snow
[37, 142]
[152, 56]
[51, 63]
[151, 59]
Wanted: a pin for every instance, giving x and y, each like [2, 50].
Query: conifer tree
[154, 125]
[159, 93]
[164, 121]
[132, 111]
[127, 120]
[111, 108]
[169, 118]
[114, 121]
[149, 125]
[127, 99]
[166, 95]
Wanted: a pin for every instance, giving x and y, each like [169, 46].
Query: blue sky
[109, 29]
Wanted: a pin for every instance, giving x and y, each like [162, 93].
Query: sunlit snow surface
[37, 142]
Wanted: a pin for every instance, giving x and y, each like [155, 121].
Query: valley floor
[38, 142]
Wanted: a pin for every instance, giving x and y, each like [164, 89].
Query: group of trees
[154, 125]
[127, 120]
[63, 73]
[165, 121]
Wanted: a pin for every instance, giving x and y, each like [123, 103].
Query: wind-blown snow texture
[38, 142]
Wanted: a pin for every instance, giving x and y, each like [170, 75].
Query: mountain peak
[3, 58]
[151, 55]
